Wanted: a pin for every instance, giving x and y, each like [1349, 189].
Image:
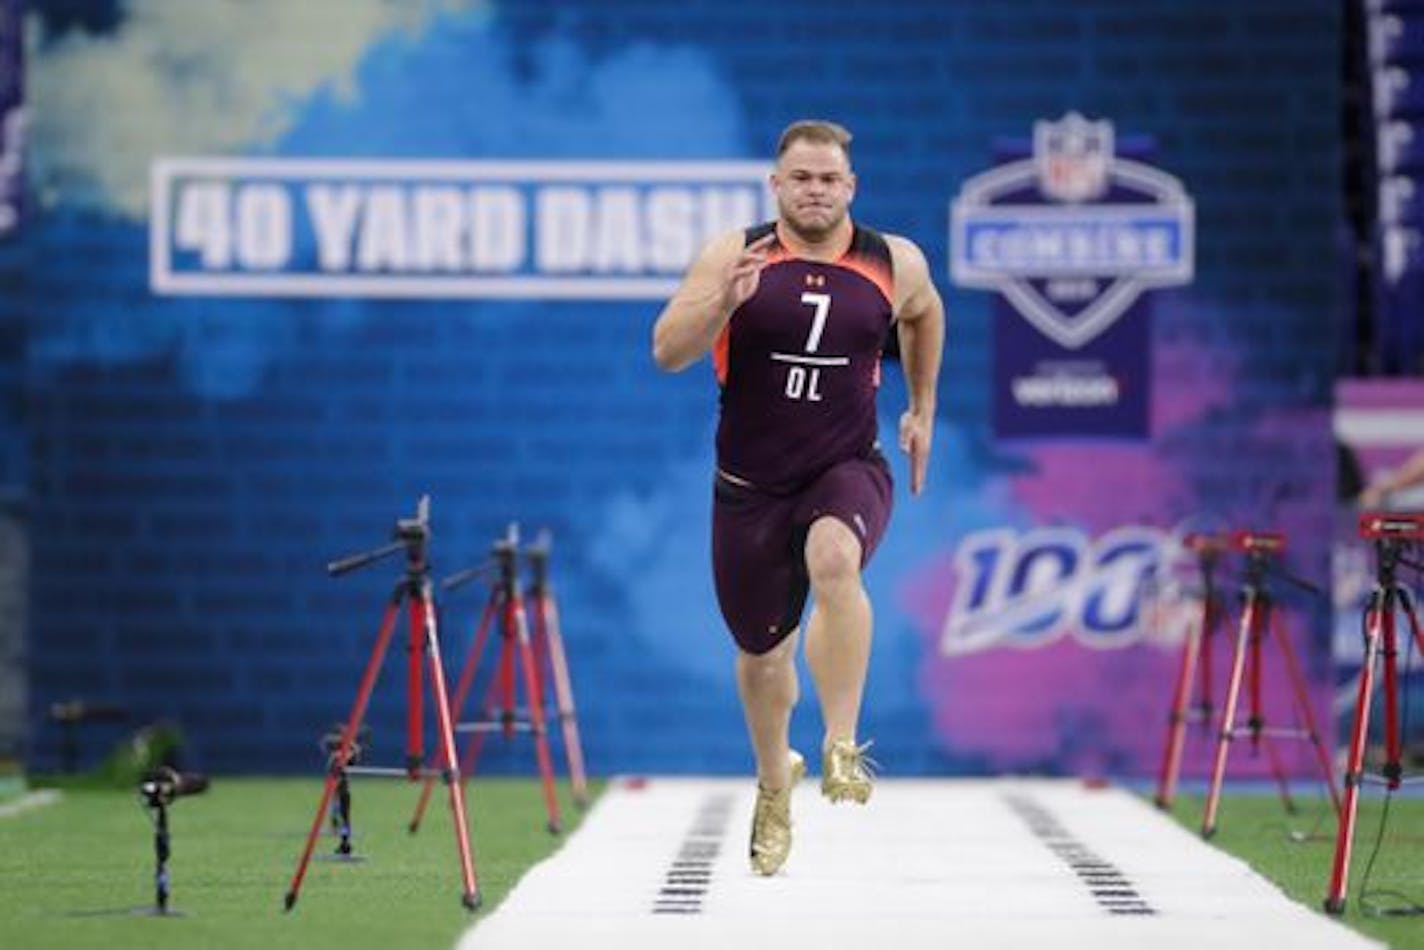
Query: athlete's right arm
[724, 275]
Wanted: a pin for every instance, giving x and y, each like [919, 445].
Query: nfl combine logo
[1072, 157]
[1074, 234]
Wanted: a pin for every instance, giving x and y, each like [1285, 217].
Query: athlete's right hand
[743, 275]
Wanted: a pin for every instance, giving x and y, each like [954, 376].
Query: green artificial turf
[75, 872]
[1257, 828]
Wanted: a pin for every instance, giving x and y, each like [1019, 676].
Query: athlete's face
[814, 186]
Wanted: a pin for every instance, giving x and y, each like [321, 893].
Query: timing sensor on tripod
[1258, 542]
[1380, 526]
[1203, 543]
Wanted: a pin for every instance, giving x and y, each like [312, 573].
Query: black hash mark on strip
[690, 873]
[1108, 885]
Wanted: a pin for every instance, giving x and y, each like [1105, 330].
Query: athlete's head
[813, 180]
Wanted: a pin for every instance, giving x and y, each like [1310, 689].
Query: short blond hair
[819, 131]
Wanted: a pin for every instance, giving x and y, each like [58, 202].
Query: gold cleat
[771, 822]
[847, 773]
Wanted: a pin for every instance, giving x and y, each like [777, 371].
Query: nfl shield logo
[1073, 156]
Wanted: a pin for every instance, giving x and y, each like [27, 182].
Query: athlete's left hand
[916, 432]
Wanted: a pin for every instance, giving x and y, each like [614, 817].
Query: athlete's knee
[769, 670]
[832, 555]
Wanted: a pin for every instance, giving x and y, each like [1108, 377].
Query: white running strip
[927, 864]
[45, 796]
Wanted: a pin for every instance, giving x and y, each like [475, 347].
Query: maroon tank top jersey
[799, 363]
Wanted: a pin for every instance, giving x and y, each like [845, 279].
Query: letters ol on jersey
[308, 227]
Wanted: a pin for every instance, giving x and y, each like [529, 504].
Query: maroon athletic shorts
[759, 539]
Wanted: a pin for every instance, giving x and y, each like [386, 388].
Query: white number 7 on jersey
[822, 303]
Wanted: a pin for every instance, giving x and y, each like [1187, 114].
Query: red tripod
[1387, 600]
[412, 536]
[1196, 660]
[517, 649]
[549, 654]
[1257, 618]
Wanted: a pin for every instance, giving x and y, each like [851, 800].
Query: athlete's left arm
[919, 320]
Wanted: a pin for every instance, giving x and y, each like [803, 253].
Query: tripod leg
[1302, 699]
[564, 696]
[1354, 772]
[471, 757]
[1278, 773]
[513, 625]
[1177, 719]
[348, 736]
[1228, 718]
[1393, 769]
[161, 853]
[1209, 630]
[457, 704]
[415, 693]
[471, 895]
[1407, 605]
[1255, 720]
[343, 810]
[536, 714]
[1266, 620]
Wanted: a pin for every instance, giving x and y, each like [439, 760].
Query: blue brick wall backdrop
[194, 461]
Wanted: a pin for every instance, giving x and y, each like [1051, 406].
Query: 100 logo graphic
[1029, 589]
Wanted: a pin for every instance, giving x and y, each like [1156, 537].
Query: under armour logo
[815, 280]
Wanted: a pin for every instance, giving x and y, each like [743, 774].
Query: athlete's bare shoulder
[912, 275]
[906, 256]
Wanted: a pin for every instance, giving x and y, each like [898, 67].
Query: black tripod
[413, 590]
[157, 792]
[341, 807]
[1388, 600]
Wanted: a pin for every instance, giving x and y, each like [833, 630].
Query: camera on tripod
[360, 742]
[161, 786]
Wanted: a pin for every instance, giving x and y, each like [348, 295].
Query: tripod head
[412, 535]
[1393, 534]
[538, 555]
[161, 786]
[503, 558]
[1263, 550]
[331, 742]
[505, 552]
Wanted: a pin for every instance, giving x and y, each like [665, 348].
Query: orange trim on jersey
[873, 270]
[722, 345]
[720, 354]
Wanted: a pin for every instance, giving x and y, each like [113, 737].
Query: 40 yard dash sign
[292, 227]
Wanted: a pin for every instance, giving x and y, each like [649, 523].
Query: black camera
[162, 785]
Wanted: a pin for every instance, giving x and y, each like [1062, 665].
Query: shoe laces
[856, 756]
[773, 808]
